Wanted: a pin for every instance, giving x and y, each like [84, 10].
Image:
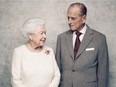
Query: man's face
[75, 19]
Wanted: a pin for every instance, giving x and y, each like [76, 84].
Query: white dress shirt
[83, 30]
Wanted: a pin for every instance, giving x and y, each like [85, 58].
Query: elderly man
[81, 52]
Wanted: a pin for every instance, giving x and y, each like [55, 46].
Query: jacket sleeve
[56, 77]
[16, 79]
[103, 64]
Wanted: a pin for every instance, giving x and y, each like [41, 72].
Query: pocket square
[89, 49]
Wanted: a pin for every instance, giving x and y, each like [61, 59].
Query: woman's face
[39, 37]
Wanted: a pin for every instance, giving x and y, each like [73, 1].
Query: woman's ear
[30, 36]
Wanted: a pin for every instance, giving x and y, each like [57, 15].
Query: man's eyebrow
[72, 17]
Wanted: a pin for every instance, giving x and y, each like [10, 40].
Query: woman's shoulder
[20, 48]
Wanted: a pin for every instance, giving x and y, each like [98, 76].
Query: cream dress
[31, 69]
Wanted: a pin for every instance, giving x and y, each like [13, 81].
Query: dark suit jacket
[91, 67]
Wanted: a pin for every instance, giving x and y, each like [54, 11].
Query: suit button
[73, 70]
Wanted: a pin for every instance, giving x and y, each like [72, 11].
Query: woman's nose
[44, 35]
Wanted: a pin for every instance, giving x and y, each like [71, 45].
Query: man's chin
[73, 29]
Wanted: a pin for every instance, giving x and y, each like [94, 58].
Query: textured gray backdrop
[13, 13]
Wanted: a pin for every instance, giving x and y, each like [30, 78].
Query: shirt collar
[83, 30]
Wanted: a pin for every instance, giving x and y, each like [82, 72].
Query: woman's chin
[41, 45]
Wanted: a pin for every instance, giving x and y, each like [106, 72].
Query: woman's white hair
[31, 25]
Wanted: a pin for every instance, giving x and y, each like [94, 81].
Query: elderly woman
[33, 64]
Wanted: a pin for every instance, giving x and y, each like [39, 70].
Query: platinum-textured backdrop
[13, 13]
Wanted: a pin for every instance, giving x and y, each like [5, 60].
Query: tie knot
[78, 33]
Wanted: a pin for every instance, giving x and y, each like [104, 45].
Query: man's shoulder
[96, 33]
[64, 33]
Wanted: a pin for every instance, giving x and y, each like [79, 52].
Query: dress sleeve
[56, 77]
[16, 79]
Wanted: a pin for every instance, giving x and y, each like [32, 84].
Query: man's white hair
[31, 25]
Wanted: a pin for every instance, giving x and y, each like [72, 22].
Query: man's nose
[70, 21]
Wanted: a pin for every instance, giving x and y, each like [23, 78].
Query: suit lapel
[85, 42]
[69, 43]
